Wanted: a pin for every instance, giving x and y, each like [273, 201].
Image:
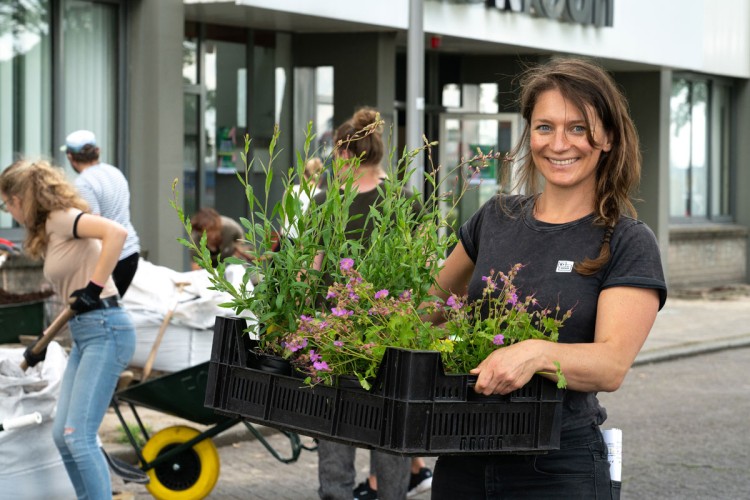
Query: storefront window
[699, 150]
[470, 98]
[25, 79]
[313, 101]
[90, 60]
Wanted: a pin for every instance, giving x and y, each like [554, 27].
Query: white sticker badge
[564, 266]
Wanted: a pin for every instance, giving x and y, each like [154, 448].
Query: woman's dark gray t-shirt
[499, 236]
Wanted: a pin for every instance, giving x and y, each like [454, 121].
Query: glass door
[462, 137]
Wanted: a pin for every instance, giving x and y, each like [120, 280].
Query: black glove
[31, 358]
[87, 299]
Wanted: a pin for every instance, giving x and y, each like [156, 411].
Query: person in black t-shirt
[576, 235]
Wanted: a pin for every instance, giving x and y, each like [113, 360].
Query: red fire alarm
[435, 42]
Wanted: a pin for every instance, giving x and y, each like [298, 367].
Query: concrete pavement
[686, 327]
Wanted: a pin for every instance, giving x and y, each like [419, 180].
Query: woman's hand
[507, 369]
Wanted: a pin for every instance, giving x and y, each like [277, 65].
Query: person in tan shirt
[80, 251]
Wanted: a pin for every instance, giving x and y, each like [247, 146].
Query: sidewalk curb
[691, 349]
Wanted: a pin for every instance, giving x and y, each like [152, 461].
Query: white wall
[702, 35]
[386, 13]
[710, 36]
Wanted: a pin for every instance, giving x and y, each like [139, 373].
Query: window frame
[729, 139]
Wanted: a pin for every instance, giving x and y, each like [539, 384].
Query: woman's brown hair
[588, 87]
[208, 219]
[42, 189]
[362, 136]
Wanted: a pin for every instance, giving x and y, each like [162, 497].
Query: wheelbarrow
[182, 462]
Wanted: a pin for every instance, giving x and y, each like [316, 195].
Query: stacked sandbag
[30, 465]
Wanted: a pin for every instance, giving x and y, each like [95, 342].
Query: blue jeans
[579, 470]
[103, 343]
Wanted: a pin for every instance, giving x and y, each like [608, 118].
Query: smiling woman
[582, 249]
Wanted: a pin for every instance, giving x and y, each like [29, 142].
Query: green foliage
[135, 431]
[404, 250]
[499, 318]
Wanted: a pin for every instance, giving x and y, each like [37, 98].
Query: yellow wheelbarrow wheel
[190, 475]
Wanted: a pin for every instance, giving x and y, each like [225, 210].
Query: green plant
[501, 317]
[351, 337]
[135, 431]
[403, 252]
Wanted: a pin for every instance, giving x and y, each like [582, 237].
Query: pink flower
[346, 264]
[341, 312]
[453, 303]
[499, 339]
[321, 366]
[296, 343]
[381, 294]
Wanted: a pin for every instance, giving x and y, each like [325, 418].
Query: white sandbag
[154, 289]
[180, 348]
[188, 338]
[30, 465]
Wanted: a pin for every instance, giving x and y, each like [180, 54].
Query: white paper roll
[613, 438]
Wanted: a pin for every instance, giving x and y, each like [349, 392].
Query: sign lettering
[597, 13]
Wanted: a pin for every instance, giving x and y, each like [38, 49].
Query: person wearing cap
[107, 193]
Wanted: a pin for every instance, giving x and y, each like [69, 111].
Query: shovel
[50, 333]
[162, 330]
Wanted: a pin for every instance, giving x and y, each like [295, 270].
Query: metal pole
[415, 91]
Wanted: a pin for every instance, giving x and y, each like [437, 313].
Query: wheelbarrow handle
[22, 421]
[50, 333]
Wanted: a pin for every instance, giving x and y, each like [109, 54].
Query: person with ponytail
[582, 249]
[359, 145]
[80, 251]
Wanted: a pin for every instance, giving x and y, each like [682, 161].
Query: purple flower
[296, 344]
[346, 264]
[305, 319]
[453, 303]
[513, 299]
[341, 312]
[331, 294]
[338, 343]
[405, 295]
[499, 339]
[353, 296]
[381, 294]
[314, 356]
[321, 366]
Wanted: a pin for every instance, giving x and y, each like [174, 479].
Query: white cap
[77, 140]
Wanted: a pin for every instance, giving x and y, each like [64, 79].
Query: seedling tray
[413, 408]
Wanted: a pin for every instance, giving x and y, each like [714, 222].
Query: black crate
[413, 408]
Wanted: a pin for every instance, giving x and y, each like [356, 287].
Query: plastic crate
[413, 408]
[25, 318]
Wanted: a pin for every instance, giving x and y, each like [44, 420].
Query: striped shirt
[106, 191]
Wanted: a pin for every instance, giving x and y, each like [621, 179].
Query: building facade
[171, 87]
